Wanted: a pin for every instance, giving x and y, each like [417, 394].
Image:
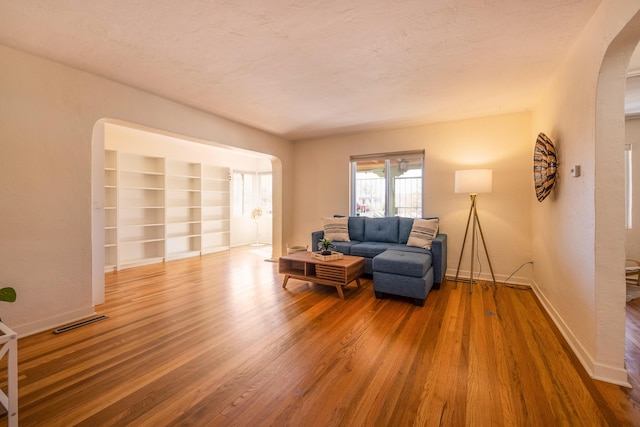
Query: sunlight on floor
[633, 292]
[263, 251]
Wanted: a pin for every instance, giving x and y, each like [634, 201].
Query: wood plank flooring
[216, 341]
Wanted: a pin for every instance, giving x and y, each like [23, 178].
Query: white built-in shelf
[111, 210]
[184, 186]
[129, 241]
[216, 211]
[161, 208]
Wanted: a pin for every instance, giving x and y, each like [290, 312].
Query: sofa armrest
[439, 257]
[316, 236]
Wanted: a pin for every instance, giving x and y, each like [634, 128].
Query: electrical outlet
[575, 171]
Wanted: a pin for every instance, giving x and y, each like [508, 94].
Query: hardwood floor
[216, 341]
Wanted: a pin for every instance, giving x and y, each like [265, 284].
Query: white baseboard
[610, 374]
[500, 278]
[54, 322]
[595, 370]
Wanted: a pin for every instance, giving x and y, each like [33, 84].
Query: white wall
[578, 235]
[51, 136]
[501, 143]
[132, 140]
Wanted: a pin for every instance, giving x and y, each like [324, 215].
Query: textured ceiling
[304, 68]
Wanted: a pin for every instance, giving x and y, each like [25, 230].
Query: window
[265, 192]
[251, 190]
[628, 186]
[387, 184]
[243, 193]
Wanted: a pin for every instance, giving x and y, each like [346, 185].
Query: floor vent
[77, 325]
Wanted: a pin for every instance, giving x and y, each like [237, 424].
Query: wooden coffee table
[338, 273]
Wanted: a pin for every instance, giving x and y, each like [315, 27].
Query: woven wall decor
[545, 166]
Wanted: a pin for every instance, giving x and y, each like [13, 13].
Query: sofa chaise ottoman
[403, 267]
[408, 274]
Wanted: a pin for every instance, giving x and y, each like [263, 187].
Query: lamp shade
[474, 181]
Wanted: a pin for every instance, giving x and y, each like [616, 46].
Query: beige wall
[501, 143]
[578, 235]
[48, 113]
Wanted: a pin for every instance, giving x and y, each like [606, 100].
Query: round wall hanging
[545, 166]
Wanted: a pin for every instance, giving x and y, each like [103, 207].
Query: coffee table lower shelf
[337, 273]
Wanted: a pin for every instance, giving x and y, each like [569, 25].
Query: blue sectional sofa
[396, 268]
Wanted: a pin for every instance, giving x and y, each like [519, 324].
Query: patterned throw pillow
[336, 229]
[423, 232]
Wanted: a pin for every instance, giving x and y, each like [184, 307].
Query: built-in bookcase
[141, 210]
[216, 208]
[183, 209]
[110, 210]
[159, 209]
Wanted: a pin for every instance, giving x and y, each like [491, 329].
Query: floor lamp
[474, 181]
[255, 215]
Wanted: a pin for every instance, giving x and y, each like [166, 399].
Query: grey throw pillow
[336, 229]
[422, 233]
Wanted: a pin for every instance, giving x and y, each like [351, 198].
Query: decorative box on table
[334, 256]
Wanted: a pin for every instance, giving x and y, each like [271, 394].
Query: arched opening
[609, 203]
[182, 150]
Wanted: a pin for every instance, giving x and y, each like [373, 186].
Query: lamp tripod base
[473, 213]
[257, 243]
[466, 280]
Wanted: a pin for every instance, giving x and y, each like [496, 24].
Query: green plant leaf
[7, 294]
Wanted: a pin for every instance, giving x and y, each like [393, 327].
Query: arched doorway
[609, 201]
[163, 143]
